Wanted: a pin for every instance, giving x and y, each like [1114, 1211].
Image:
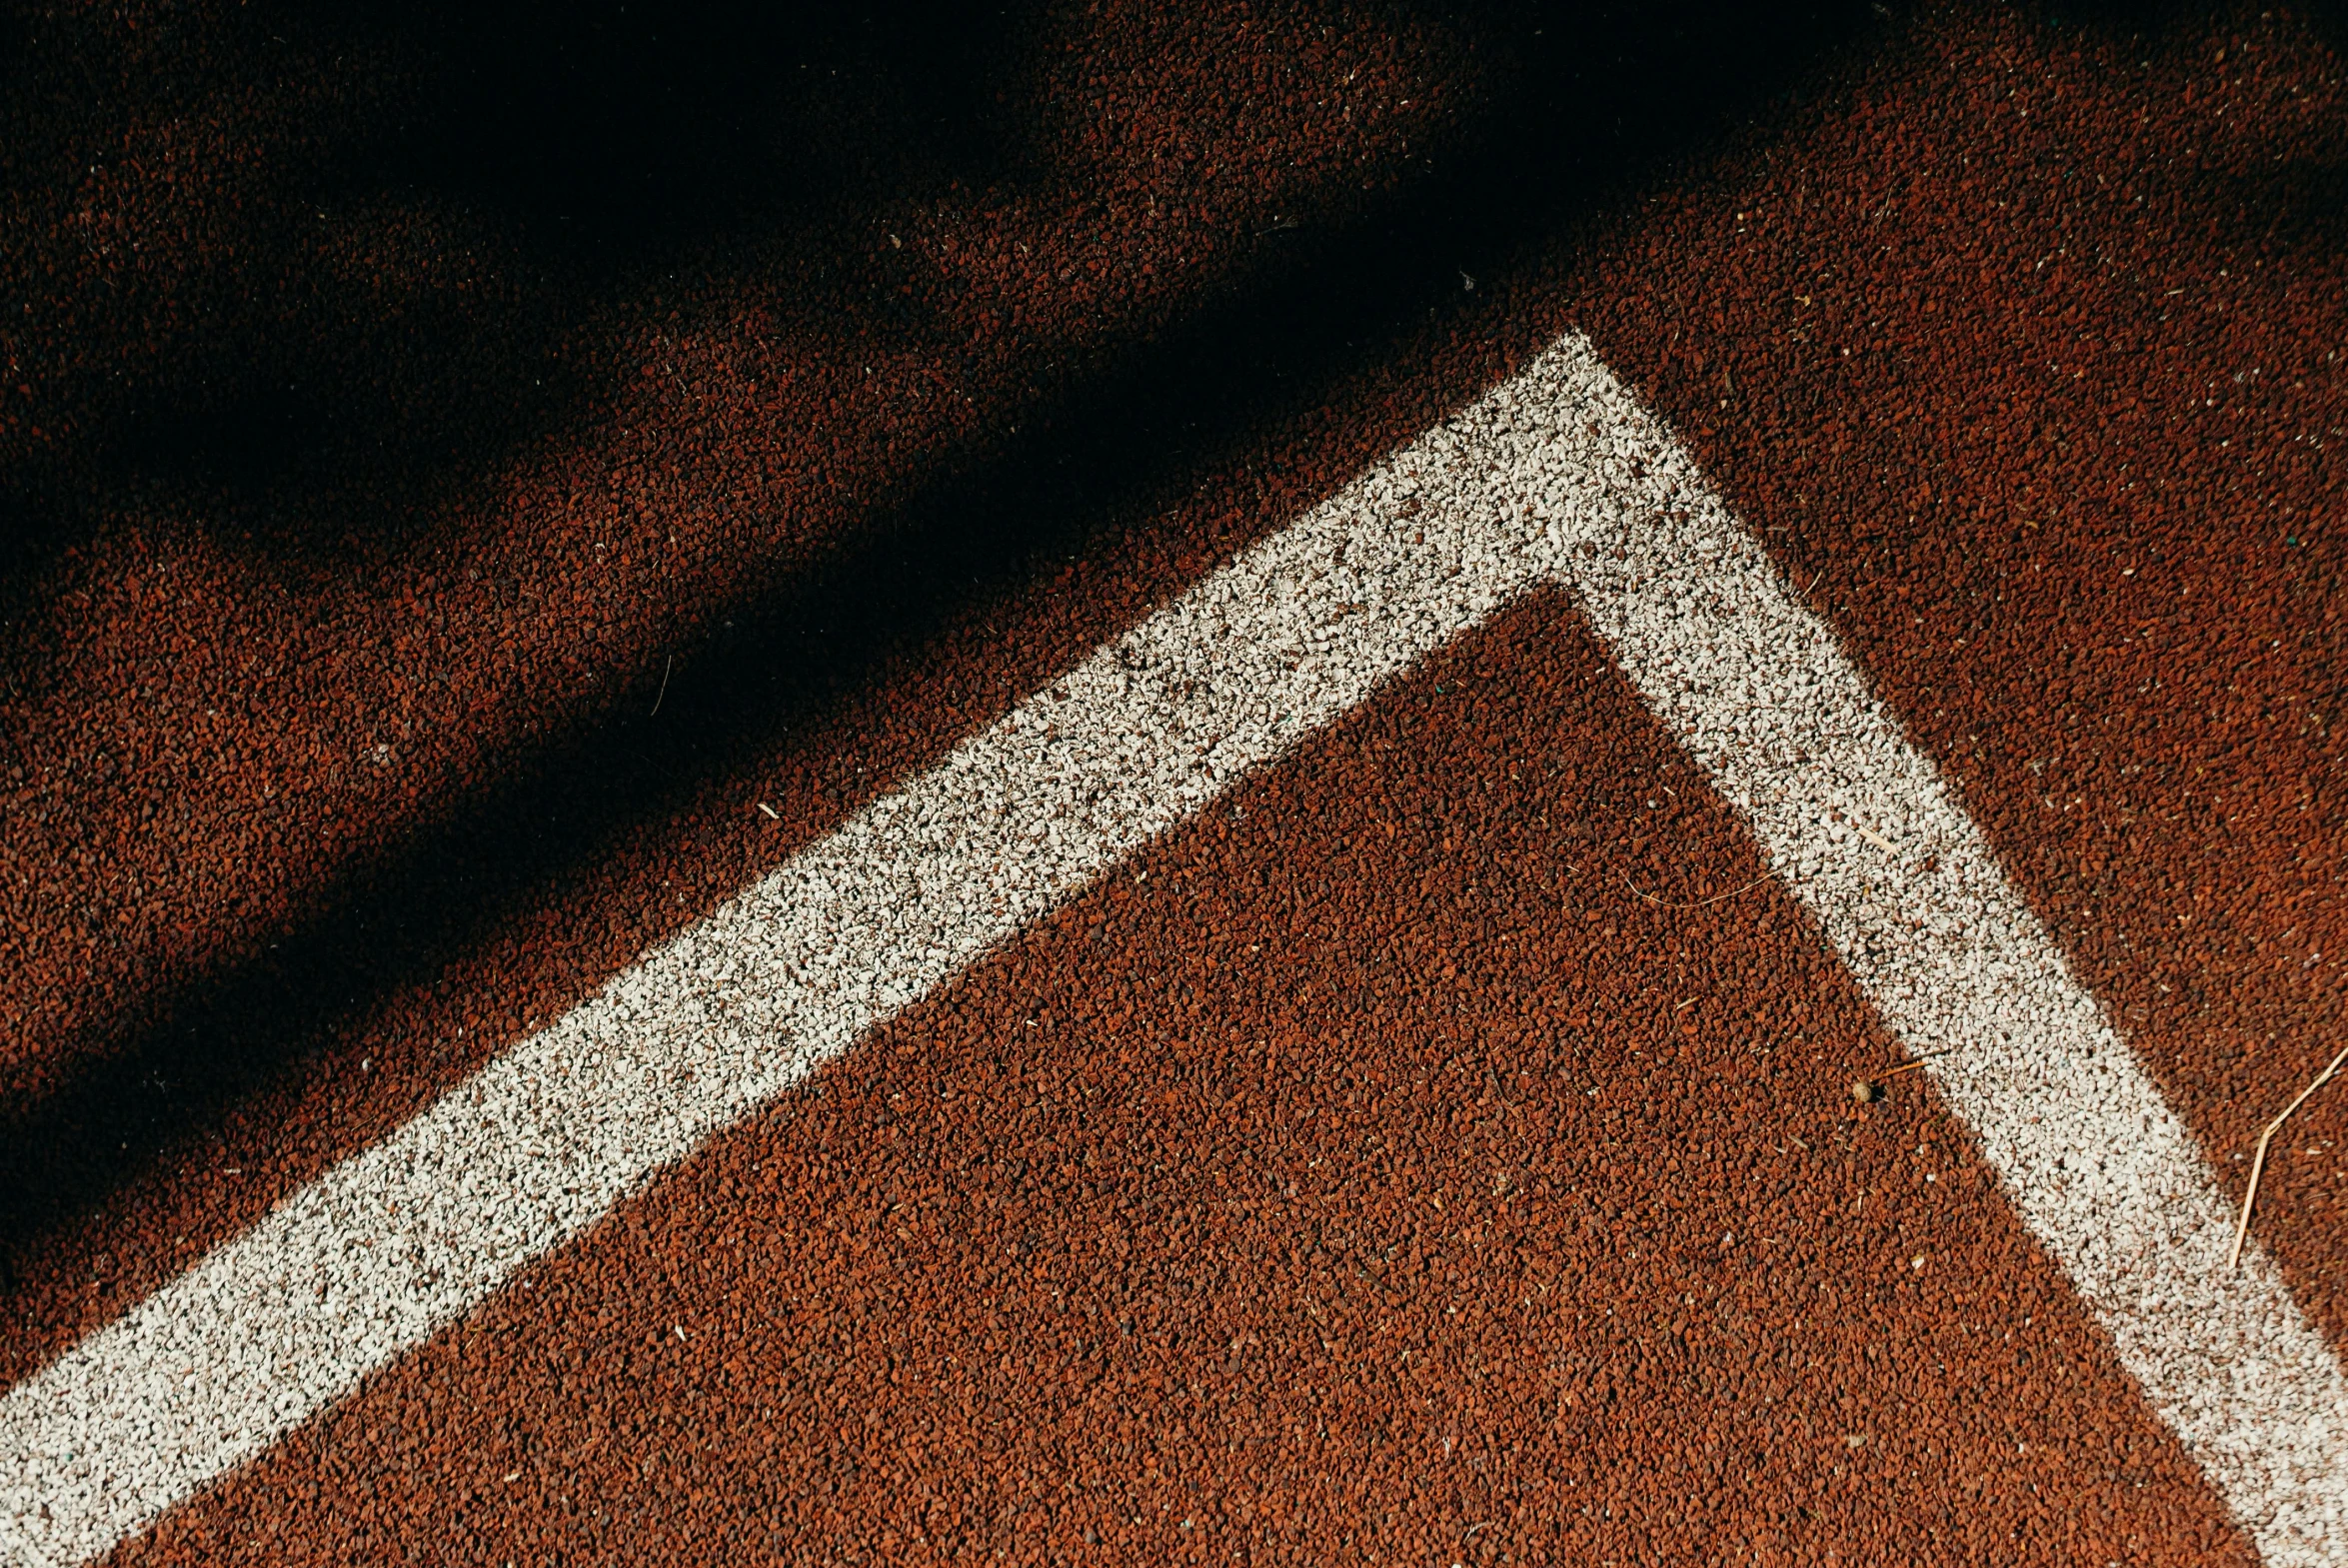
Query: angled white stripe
[2106, 1177]
[1547, 477]
[381, 1250]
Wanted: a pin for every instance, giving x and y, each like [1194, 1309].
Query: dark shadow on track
[1604, 99]
[2299, 203]
[359, 290]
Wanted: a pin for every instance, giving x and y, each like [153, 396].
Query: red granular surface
[512, 883]
[1344, 1179]
[353, 483]
[1114, 1287]
[279, 763]
[2039, 377]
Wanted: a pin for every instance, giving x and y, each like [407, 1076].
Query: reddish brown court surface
[458, 461]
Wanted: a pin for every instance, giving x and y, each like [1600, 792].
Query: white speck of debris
[770, 811]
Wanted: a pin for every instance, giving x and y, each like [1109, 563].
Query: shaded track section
[138, 1100]
[1557, 474]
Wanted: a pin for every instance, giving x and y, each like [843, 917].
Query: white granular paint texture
[1557, 474]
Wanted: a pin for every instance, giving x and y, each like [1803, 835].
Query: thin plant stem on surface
[2258, 1162]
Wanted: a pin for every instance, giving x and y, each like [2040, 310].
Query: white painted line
[381, 1250]
[2104, 1173]
[1555, 474]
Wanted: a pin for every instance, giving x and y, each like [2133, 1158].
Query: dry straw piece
[2258, 1163]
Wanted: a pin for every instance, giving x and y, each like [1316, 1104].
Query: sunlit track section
[1863, 829]
[1555, 474]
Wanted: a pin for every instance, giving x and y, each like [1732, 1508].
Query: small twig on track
[663, 696]
[2258, 1162]
[1913, 1063]
[1868, 1091]
[1700, 903]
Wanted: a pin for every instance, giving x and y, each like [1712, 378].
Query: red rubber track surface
[332, 656]
[1336, 1182]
